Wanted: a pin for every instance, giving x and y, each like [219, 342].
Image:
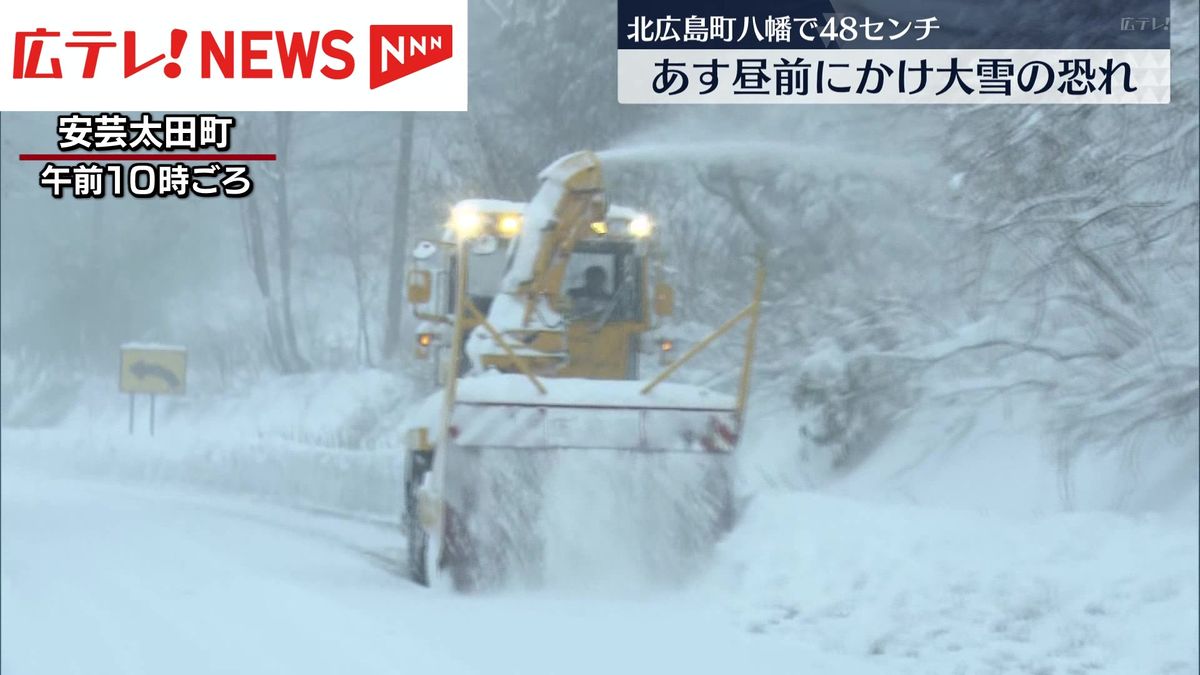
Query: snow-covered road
[104, 578]
[131, 575]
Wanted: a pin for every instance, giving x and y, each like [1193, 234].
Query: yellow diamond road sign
[153, 369]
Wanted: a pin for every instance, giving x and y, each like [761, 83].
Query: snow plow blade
[480, 425]
[530, 483]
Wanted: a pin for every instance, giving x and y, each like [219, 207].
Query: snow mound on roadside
[945, 591]
[346, 409]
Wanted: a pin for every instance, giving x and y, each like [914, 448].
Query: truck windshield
[603, 282]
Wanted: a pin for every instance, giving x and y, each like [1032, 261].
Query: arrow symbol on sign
[143, 370]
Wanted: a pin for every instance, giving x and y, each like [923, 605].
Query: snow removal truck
[536, 317]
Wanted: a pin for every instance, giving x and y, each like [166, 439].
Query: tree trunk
[256, 252]
[396, 264]
[295, 362]
[360, 295]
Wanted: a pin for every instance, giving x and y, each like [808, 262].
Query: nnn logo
[397, 51]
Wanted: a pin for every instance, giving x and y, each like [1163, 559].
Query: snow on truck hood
[517, 389]
[539, 214]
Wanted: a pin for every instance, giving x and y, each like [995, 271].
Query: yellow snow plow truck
[535, 317]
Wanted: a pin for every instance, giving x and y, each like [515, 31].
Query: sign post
[151, 369]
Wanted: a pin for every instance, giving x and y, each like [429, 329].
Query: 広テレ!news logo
[74, 56]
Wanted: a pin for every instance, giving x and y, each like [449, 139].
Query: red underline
[148, 157]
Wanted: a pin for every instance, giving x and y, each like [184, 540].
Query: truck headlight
[640, 226]
[509, 226]
[467, 223]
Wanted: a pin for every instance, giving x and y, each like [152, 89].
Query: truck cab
[597, 322]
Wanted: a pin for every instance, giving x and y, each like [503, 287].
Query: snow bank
[346, 409]
[364, 482]
[961, 545]
[329, 440]
[933, 591]
[981, 452]
[999, 458]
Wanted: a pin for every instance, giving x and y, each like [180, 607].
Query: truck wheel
[418, 543]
